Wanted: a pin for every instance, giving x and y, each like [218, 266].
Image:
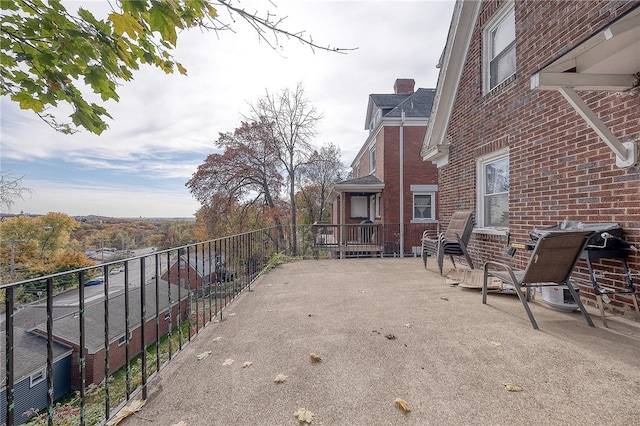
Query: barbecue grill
[607, 236]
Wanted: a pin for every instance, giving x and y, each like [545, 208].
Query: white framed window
[424, 202]
[183, 264]
[372, 159]
[499, 48]
[359, 206]
[423, 206]
[493, 190]
[37, 377]
[378, 204]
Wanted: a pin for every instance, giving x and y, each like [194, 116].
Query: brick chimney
[404, 86]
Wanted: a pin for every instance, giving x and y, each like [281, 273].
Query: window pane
[496, 210]
[504, 34]
[422, 206]
[358, 206]
[503, 66]
[497, 177]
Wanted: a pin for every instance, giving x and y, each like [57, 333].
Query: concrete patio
[387, 329]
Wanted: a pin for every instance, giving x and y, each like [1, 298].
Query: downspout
[402, 183]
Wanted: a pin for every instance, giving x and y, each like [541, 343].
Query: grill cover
[595, 240]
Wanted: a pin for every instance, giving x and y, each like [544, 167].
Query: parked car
[115, 271]
[95, 281]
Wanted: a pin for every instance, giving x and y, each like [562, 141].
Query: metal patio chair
[451, 243]
[551, 263]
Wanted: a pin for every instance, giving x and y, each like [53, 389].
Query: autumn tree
[52, 57]
[245, 175]
[38, 246]
[317, 176]
[292, 121]
[173, 234]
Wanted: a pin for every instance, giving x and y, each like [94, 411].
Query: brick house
[391, 187]
[536, 120]
[66, 328]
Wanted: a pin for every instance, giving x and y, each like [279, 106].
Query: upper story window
[493, 190]
[499, 53]
[372, 159]
[37, 377]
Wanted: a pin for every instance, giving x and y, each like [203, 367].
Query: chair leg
[576, 298]
[523, 299]
[484, 285]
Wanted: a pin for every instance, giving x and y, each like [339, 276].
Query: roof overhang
[609, 60]
[372, 188]
[435, 147]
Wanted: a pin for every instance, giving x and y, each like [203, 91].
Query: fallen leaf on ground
[247, 364]
[402, 405]
[390, 336]
[180, 423]
[303, 415]
[314, 357]
[496, 343]
[203, 355]
[444, 298]
[407, 325]
[280, 378]
[232, 314]
[512, 388]
[131, 408]
[217, 338]
[227, 361]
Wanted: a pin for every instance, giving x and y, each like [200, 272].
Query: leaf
[247, 364]
[402, 405]
[407, 325]
[182, 70]
[390, 337]
[496, 343]
[125, 23]
[163, 18]
[444, 298]
[217, 338]
[314, 357]
[512, 387]
[203, 355]
[27, 101]
[133, 407]
[227, 361]
[180, 423]
[303, 415]
[280, 378]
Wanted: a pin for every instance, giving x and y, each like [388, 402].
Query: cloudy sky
[164, 126]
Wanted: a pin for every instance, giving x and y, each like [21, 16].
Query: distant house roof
[415, 105]
[368, 184]
[29, 354]
[67, 326]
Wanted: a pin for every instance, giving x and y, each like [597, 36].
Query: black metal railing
[94, 337]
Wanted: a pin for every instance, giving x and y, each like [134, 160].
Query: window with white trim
[372, 159]
[378, 204]
[423, 206]
[37, 377]
[493, 190]
[499, 52]
[122, 340]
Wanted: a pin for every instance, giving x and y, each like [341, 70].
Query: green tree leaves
[51, 56]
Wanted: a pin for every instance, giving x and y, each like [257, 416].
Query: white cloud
[164, 126]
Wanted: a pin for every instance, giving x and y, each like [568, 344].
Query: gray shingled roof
[366, 180]
[417, 104]
[66, 327]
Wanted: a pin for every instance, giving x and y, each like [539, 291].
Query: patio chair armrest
[503, 267]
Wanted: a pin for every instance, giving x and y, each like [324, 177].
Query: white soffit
[607, 61]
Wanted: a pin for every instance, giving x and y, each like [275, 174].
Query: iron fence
[84, 343]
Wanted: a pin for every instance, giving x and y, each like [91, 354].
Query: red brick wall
[559, 168]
